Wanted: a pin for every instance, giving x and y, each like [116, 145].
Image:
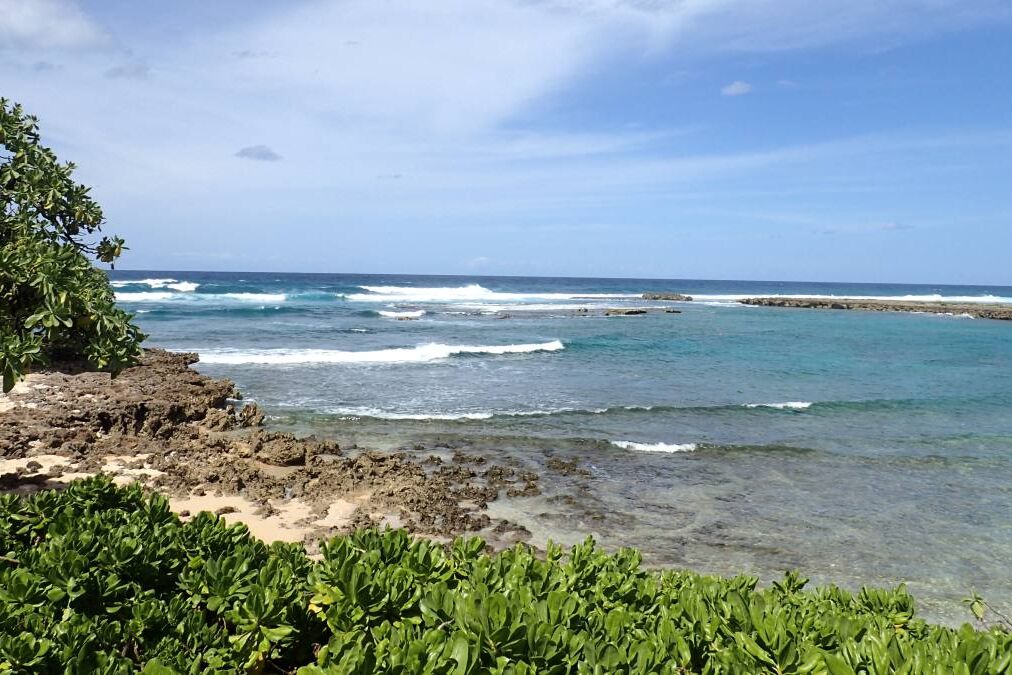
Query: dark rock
[672, 297]
[976, 310]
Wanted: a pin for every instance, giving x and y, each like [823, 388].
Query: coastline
[993, 311]
[191, 438]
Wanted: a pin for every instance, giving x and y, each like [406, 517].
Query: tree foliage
[101, 579]
[54, 303]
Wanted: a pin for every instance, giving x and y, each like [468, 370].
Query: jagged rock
[625, 312]
[250, 416]
[672, 297]
[163, 416]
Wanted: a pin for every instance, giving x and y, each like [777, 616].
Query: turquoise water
[856, 447]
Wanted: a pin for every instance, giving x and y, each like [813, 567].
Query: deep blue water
[858, 447]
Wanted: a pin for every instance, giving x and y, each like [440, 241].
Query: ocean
[856, 447]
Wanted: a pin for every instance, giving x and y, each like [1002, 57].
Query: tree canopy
[54, 302]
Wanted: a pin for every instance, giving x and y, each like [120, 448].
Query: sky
[840, 140]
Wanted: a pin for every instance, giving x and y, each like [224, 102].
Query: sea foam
[471, 292]
[419, 354]
[655, 447]
[786, 405]
[174, 284]
[167, 296]
[402, 315]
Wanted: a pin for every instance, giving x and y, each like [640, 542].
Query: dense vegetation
[53, 301]
[103, 579]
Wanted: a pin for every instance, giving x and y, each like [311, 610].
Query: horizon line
[550, 276]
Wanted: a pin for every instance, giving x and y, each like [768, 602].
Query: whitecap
[391, 415]
[418, 354]
[655, 447]
[174, 284]
[460, 415]
[786, 405]
[471, 292]
[145, 296]
[402, 315]
[163, 296]
[251, 297]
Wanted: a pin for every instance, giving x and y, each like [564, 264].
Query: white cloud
[407, 109]
[736, 88]
[46, 24]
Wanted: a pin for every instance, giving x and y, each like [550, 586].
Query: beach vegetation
[54, 302]
[106, 579]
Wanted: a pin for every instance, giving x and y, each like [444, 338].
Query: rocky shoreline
[192, 438]
[975, 310]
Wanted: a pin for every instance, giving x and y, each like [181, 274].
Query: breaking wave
[655, 447]
[786, 405]
[174, 284]
[419, 354]
[471, 292]
[168, 296]
[402, 315]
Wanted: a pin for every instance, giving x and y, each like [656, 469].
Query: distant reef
[975, 310]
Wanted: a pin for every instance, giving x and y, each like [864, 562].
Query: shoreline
[996, 312]
[191, 438]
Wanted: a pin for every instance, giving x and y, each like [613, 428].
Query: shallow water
[856, 447]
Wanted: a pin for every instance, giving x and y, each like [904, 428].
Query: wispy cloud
[258, 152]
[736, 88]
[129, 71]
[46, 24]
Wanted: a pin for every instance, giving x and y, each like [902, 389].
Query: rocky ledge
[192, 438]
[673, 297]
[975, 310]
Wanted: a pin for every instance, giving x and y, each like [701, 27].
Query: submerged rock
[625, 312]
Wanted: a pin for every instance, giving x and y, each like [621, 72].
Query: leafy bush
[53, 301]
[101, 579]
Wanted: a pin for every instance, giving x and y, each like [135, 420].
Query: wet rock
[976, 310]
[566, 468]
[671, 297]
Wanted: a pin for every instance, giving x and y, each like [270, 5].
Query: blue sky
[866, 140]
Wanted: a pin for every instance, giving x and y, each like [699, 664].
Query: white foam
[163, 296]
[655, 447]
[251, 297]
[174, 284]
[419, 354]
[145, 296]
[556, 307]
[991, 299]
[388, 415]
[403, 315]
[472, 292]
[469, 415]
[786, 405]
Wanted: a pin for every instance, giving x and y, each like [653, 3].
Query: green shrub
[53, 301]
[101, 579]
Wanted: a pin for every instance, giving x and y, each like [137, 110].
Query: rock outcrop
[191, 436]
[672, 297]
[975, 310]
